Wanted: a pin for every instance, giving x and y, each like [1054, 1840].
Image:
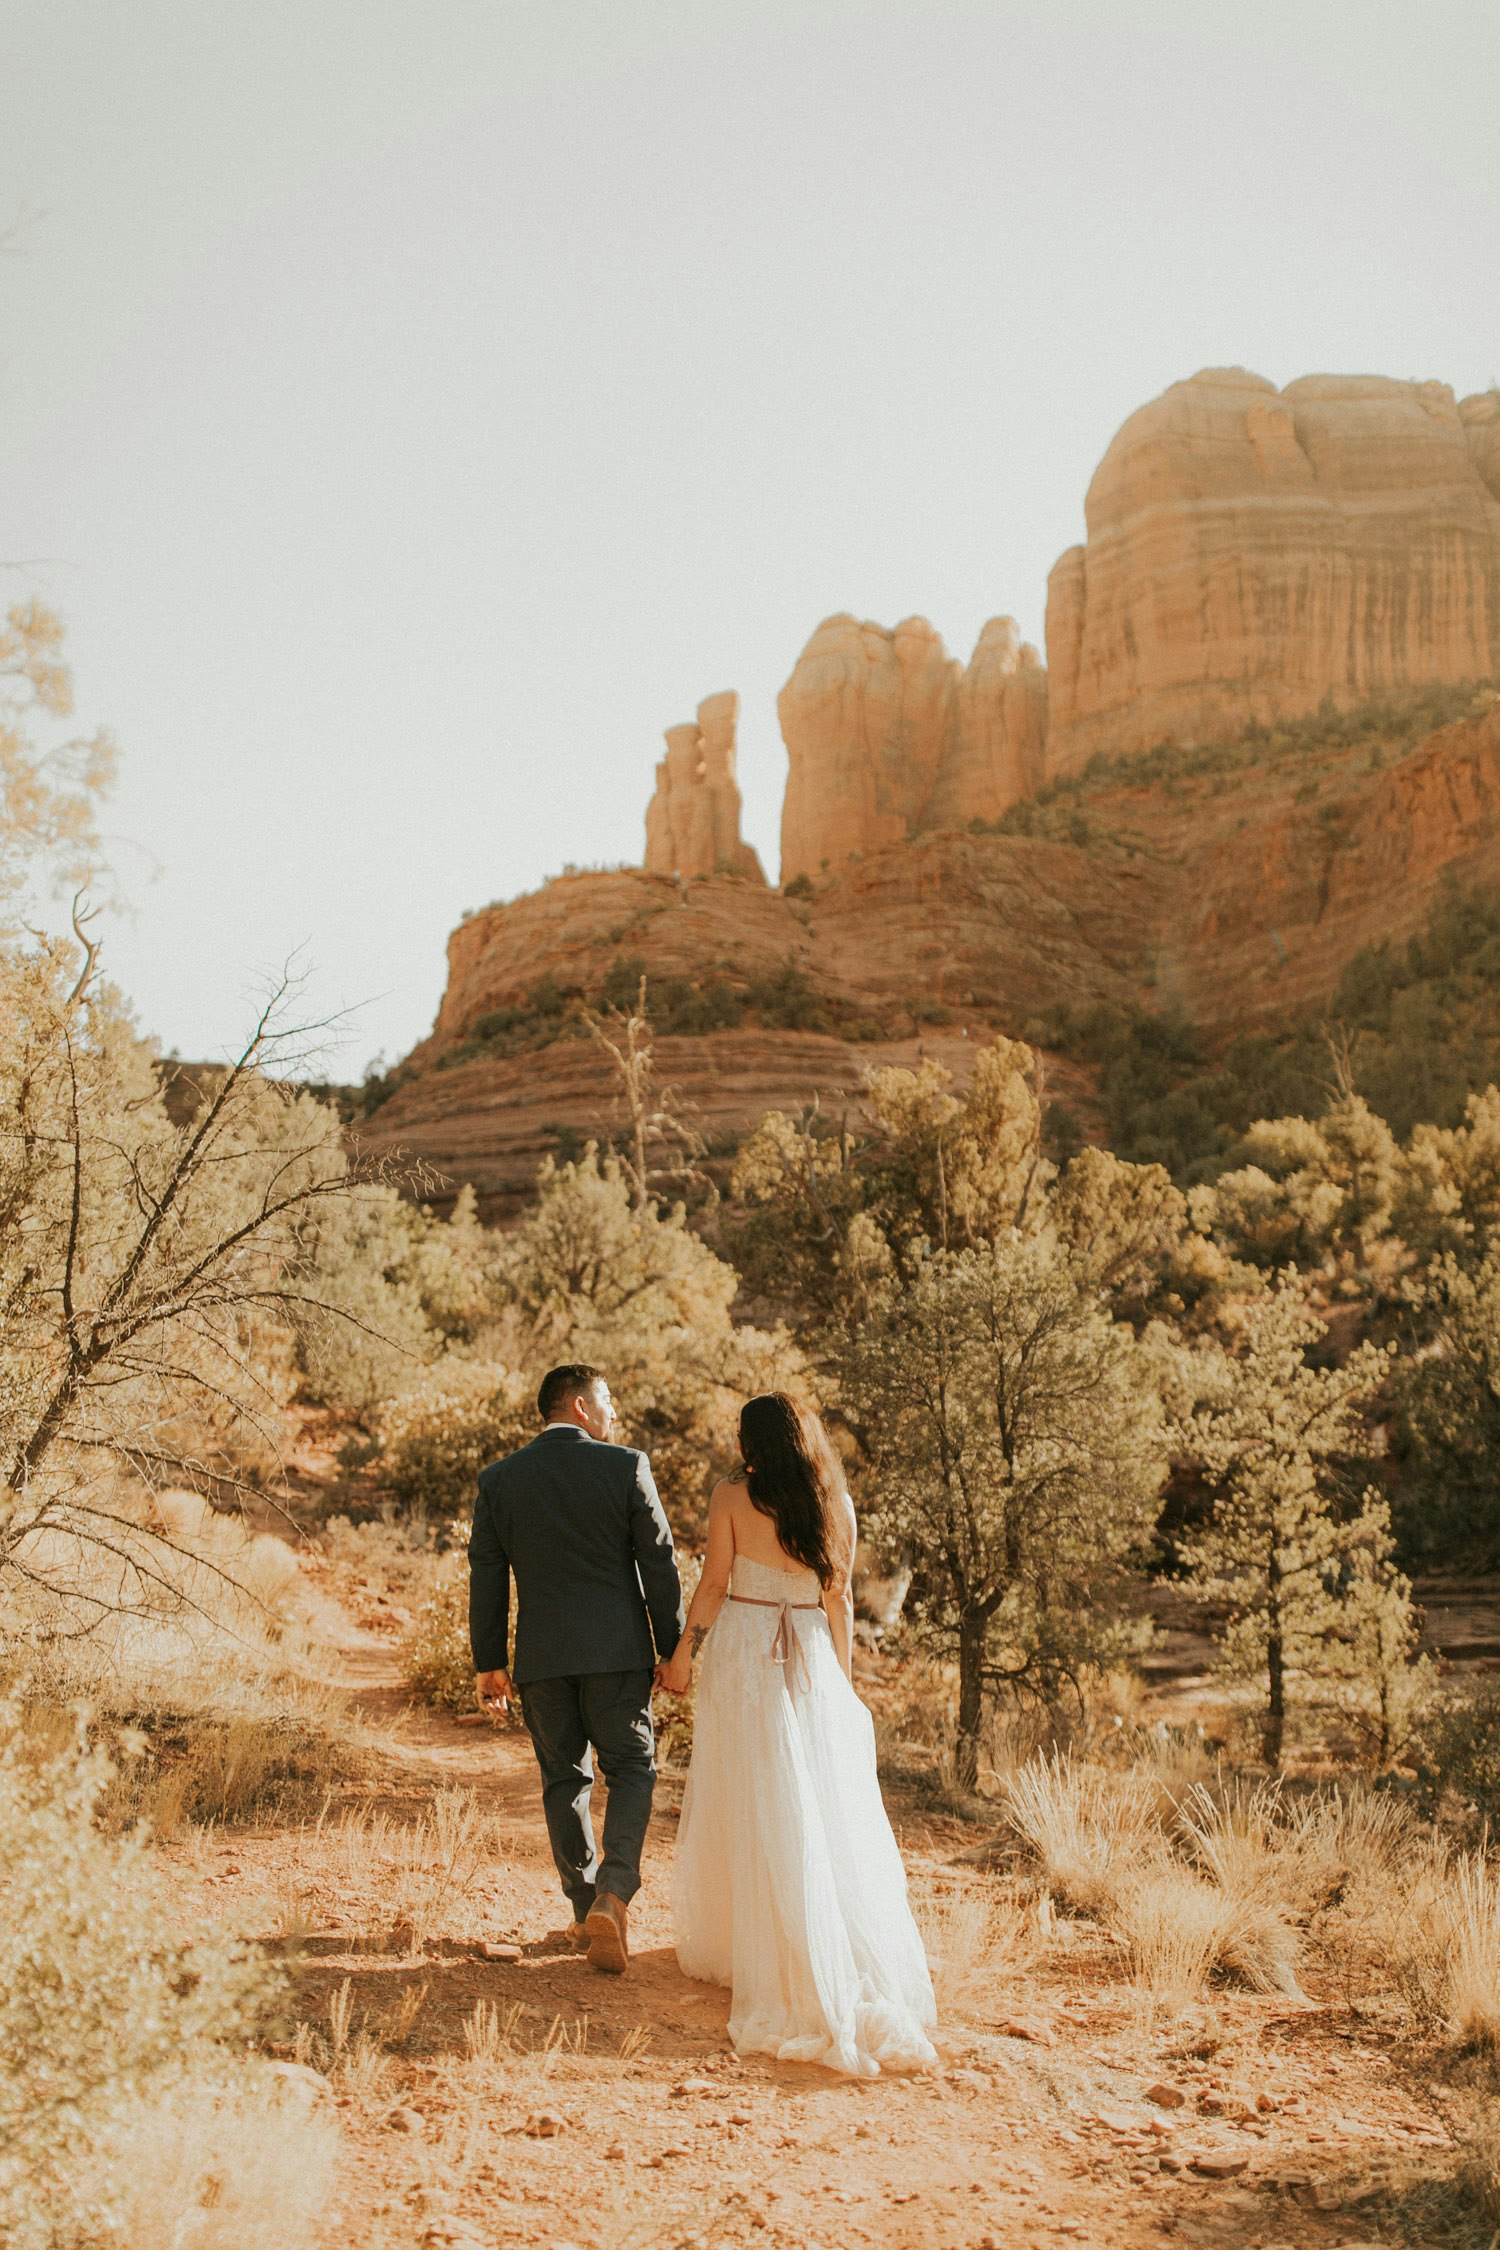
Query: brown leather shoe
[609, 1944]
[574, 1937]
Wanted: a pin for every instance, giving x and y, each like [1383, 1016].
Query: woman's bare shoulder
[728, 1492]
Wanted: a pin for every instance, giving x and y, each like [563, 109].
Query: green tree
[819, 1215]
[50, 783]
[1130, 1229]
[399, 1285]
[1449, 1393]
[154, 1276]
[592, 1274]
[1310, 1192]
[1273, 1435]
[1015, 1439]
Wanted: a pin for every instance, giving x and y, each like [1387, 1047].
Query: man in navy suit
[578, 1523]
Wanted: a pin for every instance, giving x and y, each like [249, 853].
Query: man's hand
[494, 1693]
[675, 1675]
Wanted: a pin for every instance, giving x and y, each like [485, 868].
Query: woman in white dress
[788, 1886]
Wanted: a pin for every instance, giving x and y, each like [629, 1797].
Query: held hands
[674, 1676]
[494, 1693]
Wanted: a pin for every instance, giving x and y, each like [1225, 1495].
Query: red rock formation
[491, 1120]
[693, 821]
[867, 717]
[887, 734]
[1251, 551]
[999, 741]
[1234, 897]
[574, 928]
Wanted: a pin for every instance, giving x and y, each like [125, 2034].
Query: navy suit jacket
[580, 1527]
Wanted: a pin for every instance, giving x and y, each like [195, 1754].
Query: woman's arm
[838, 1594]
[675, 1676]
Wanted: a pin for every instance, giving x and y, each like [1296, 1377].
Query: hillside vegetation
[1248, 1355]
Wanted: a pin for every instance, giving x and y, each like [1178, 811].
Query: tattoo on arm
[697, 1636]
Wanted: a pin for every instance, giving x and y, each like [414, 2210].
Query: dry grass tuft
[1098, 1837]
[242, 2166]
[1470, 1921]
[127, 2111]
[1084, 1826]
[1170, 1923]
[975, 1944]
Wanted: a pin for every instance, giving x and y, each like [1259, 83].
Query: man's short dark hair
[559, 1384]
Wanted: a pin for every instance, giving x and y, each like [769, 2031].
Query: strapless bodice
[763, 1582]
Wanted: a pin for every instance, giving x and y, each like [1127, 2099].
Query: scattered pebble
[1219, 2167]
[1166, 2096]
[302, 2078]
[403, 2119]
[545, 2125]
[490, 1950]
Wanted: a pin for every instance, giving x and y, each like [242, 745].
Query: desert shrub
[200, 1769]
[210, 1685]
[245, 2164]
[786, 1001]
[1082, 1827]
[398, 1284]
[436, 1661]
[114, 2021]
[1455, 1749]
[1218, 1880]
[437, 1437]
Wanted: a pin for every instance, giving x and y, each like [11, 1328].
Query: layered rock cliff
[1233, 896]
[1250, 554]
[1252, 551]
[693, 820]
[887, 734]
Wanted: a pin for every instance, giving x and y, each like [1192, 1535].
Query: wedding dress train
[788, 1886]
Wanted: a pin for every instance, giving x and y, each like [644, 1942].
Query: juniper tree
[1274, 1437]
[1015, 1438]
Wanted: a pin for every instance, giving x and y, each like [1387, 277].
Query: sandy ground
[610, 2114]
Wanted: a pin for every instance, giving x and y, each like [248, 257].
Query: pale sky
[415, 405]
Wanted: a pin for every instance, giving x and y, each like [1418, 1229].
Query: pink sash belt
[786, 1649]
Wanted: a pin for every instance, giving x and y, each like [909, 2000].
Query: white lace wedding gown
[788, 1885]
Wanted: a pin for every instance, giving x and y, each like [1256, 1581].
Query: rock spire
[693, 820]
[888, 734]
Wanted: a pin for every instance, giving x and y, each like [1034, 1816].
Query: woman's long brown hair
[792, 1475]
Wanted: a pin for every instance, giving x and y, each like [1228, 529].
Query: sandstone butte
[1229, 897]
[1252, 551]
[1250, 554]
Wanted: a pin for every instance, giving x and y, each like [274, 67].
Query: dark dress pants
[611, 1710]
